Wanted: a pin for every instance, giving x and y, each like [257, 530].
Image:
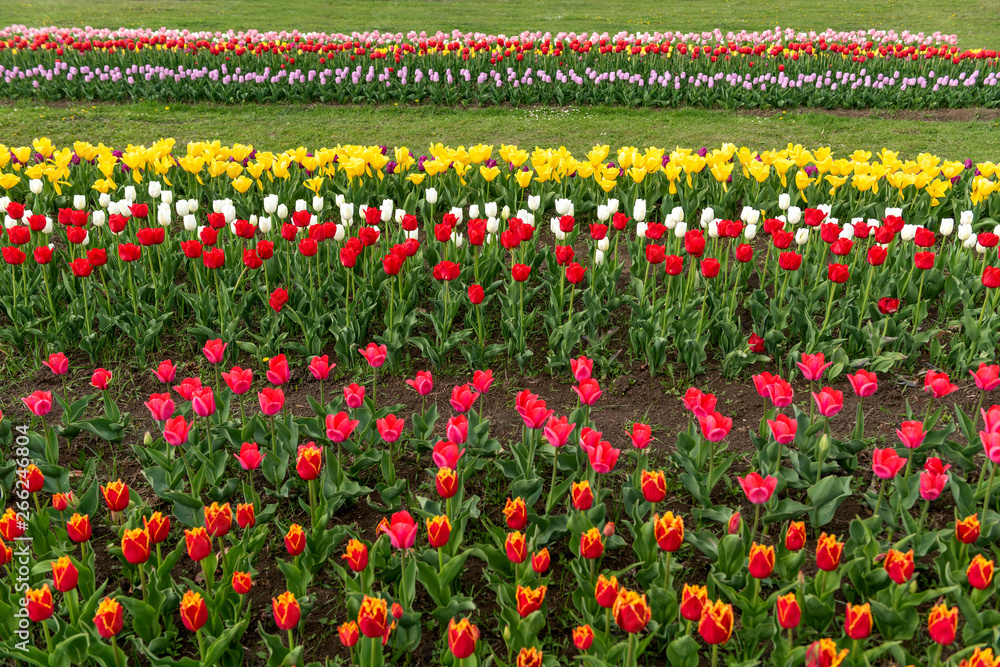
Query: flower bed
[850, 70]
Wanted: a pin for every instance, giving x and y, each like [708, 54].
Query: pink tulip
[100, 379]
[203, 402]
[57, 363]
[991, 418]
[886, 463]
[175, 430]
[374, 354]
[557, 431]
[457, 430]
[991, 445]
[813, 365]
[187, 388]
[462, 398]
[423, 383]
[782, 393]
[161, 406]
[390, 427]
[863, 383]
[715, 427]
[939, 384]
[446, 454]
[354, 396]
[320, 367]
[588, 391]
[339, 427]
[238, 380]
[987, 377]
[783, 429]
[758, 489]
[535, 414]
[271, 400]
[165, 372]
[911, 434]
[699, 403]
[482, 381]
[933, 478]
[602, 455]
[278, 372]
[39, 402]
[402, 530]
[250, 456]
[762, 383]
[641, 435]
[582, 368]
[214, 350]
[829, 401]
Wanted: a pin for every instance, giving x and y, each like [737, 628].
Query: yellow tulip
[7, 181]
[490, 173]
[523, 178]
[242, 184]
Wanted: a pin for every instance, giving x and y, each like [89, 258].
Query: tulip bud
[182, 208]
[339, 200]
[802, 236]
[947, 226]
[505, 211]
[639, 210]
[193, 205]
[784, 201]
[98, 218]
[79, 202]
[104, 200]
[707, 215]
[271, 204]
[489, 210]
[966, 218]
[167, 197]
[282, 211]
[473, 211]
[35, 185]
[603, 213]
[750, 232]
[964, 231]
[680, 230]
[431, 195]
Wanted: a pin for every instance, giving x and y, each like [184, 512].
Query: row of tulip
[23, 37]
[725, 75]
[783, 587]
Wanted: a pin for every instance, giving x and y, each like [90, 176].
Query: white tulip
[713, 230]
[270, 204]
[387, 207]
[98, 218]
[996, 230]
[753, 217]
[190, 223]
[399, 215]
[681, 229]
[784, 201]
[253, 219]
[947, 226]
[970, 242]
[167, 197]
[163, 214]
[744, 213]
[230, 212]
[563, 206]
[457, 212]
[554, 226]
[112, 208]
[338, 200]
[317, 203]
[964, 231]
[154, 188]
[526, 217]
[182, 207]
[409, 235]
[193, 205]
[598, 257]
[613, 205]
[86, 238]
[847, 232]
[473, 211]
[802, 236]
[603, 213]
[966, 218]
[346, 213]
[640, 230]
[48, 228]
[130, 193]
[981, 249]
[782, 218]
[898, 212]
[125, 208]
[534, 201]
[458, 238]
[639, 210]
[678, 213]
[794, 214]
[431, 195]
[104, 200]
[282, 211]
[79, 202]
[264, 224]
[339, 233]
[492, 225]
[908, 233]
[750, 232]
[300, 205]
[603, 244]
[505, 211]
[490, 209]
[35, 185]
[217, 205]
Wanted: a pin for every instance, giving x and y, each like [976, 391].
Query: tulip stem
[667, 575]
[715, 655]
[829, 307]
[114, 649]
[48, 638]
[631, 649]
[142, 580]
[291, 643]
[923, 517]
[201, 644]
[881, 493]
[756, 519]
[916, 309]
[989, 489]
[552, 487]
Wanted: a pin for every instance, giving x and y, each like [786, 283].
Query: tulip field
[496, 403]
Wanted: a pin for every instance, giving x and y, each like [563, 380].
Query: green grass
[976, 22]
[273, 127]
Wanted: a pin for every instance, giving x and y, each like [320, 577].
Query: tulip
[64, 574]
[39, 402]
[109, 618]
[588, 391]
[813, 366]
[271, 400]
[942, 624]
[402, 530]
[987, 377]
[57, 363]
[218, 519]
[246, 515]
[582, 368]
[967, 530]
[933, 478]
[194, 611]
[693, 601]
[100, 379]
[980, 572]
[864, 383]
[529, 600]
[654, 486]
[462, 398]
[446, 482]
[602, 455]
[438, 531]
[715, 427]
[462, 638]
[348, 633]
[203, 402]
[250, 457]
[374, 354]
[32, 479]
[911, 434]
[309, 461]
[61, 501]
[446, 454]
[214, 350]
[115, 495]
[373, 617]
[591, 544]
[482, 381]
[716, 625]
[198, 543]
[295, 540]
[631, 611]
[457, 430]
[606, 591]
[516, 514]
[886, 463]
[761, 561]
[354, 396]
[165, 372]
[938, 384]
[135, 546]
[734, 524]
[390, 428]
[899, 566]
[699, 403]
[583, 637]
[829, 401]
[238, 380]
[858, 621]
[669, 531]
[758, 489]
[641, 435]
[78, 528]
[828, 552]
[789, 611]
[781, 393]
[557, 431]
[582, 496]
[783, 429]
[823, 653]
[423, 383]
[795, 536]
[529, 657]
[160, 406]
[286, 611]
[540, 561]
[356, 555]
[517, 548]
[320, 367]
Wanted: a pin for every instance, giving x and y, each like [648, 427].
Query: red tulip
[933, 478]
[899, 566]
[64, 574]
[218, 519]
[390, 428]
[242, 582]
[135, 546]
[286, 610]
[238, 380]
[939, 384]
[194, 611]
[924, 260]
[462, 398]
[214, 350]
[462, 638]
[354, 396]
[203, 401]
[693, 601]
[295, 540]
[583, 637]
[529, 600]
[631, 611]
[863, 383]
[758, 489]
[589, 391]
[828, 552]
[309, 461]
[356, 555]
[980, 572]
[886, 463]
[858, 621]
[582, 496]
[783, 429]
[250, 456]
[278, 372]
[888, 306]
[38, 603]
[838, 273]
[77, 528]
[715, 427]
[699, 403]
[987, 377]
[165, 372]
[198, 543]
[789, 611]
[402, 530]
[911, 434]
[339, 427]
[482, 381]
[654, 486]
[829, 401]
[115, 495]
[271, 399]
[540, 561]
[516, 514]
[423, 383]
[246, 515]
[516, 547]
[320, 367]
[967, 530]
[795, 536]
[668, 531]
[942, 624]
[716, 624]
[374, 354]
[591, 544]
[761, 561]
[39, 402]
[813, 366]
[582, 368]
